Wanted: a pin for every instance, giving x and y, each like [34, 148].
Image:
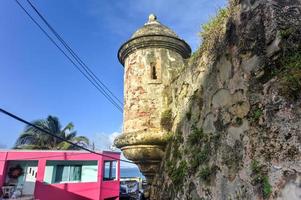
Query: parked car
[131, 189]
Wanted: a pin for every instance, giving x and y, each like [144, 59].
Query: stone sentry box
[152, 59]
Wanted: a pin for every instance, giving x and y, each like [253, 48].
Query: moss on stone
[285, 33]
[177, 174]
[260, 177]
[200, 157]
[255, 113]
[290, 76]
[195, 136]
[166, 119]
[215, 140]
[201, 146]
[176, 153]
[206, 173]
[238, 121]
[255, 167]
[168, 136]
[287, 67]
[168, 166]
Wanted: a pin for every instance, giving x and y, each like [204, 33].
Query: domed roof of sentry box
[154, 27]
[154, 35]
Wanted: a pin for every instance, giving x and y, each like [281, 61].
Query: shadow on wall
[49, 192]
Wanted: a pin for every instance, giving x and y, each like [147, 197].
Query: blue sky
[37, 81]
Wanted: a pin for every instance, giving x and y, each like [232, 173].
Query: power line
[75, 55]
[88, 77]
[56, 136]
[99, 88]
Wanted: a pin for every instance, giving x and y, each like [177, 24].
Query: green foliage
[195, 55]
[260, 177]
[293, 60]
[234, 2]
[203, 156]
[200, 157]
[239, 121]
[213, 30]
[186, 150]
[290, 75]
[198, 149]
[215, 22]
[284, 34]
[215, 140]
[169, 166]
[173, 149]
[255, 167]
[176, 153]
[177, 174]
[178, 138]
[195, 136]
[287, 67]
[206, 173]
[201, 145]
[166, 119]
[266, 187]
[32, 138]
[256, 113]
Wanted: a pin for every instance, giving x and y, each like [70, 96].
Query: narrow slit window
[154, 71]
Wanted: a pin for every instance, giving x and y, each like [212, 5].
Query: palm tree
[32, 138]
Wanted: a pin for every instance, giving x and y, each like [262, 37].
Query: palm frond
[53, 124]
[81, 139]
[71, 135]
[64, 146]
[33, 138]
[31, 146]
[25, 138]
[68, 127]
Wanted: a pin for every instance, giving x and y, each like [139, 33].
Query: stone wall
[236, 110]
[143, 99]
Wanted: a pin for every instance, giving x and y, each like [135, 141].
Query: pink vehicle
[59, 175]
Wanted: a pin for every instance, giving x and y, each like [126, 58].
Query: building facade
[48, 175]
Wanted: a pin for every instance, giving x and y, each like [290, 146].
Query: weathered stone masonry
[226, 123]
[152, 59]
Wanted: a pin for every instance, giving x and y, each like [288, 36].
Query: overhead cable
[91, 78]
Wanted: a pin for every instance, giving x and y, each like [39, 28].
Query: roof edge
[155, 40]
